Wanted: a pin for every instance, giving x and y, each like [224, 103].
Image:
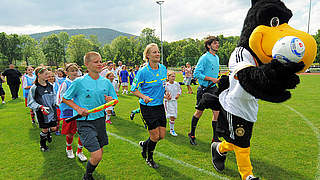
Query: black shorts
[203, 102]
[2, 91]
[93, 133]
[44, 125]
[154, 116]
[234, 129]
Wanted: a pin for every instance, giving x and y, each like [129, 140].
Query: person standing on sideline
[88, 92]
[207, 72]
[27, 81]
[13, 80]
[69, 129]
[42, 101]
[148, 85]
[116, 78]
[188, 77]
[119, 69]
[173, 91]
[2, 93]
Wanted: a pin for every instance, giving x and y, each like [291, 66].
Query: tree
[96, 44]
[120, 46]
[52, 49]
[317, 38]
[10, 46]
[190, 53]
[78, 47]
[64, 40]
[28, 47]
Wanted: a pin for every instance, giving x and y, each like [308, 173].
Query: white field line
[315, 130]
[172, 159]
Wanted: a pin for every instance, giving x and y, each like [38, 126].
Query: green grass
[283, 146]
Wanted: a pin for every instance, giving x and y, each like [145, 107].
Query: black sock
[90, 168]
[145, 143]
[214, 131]
[43, 139]
[194, 123]
[151, 146]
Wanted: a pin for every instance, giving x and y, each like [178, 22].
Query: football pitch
[285, 143]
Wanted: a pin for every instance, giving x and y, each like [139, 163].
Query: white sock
[108, 117]
[171, 123]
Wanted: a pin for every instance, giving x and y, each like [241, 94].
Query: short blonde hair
[108, 74]
[90, 56]
[170, 73]
[147, 51]
[71, 66]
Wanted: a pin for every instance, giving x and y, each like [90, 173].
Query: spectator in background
[13, 80]
[188, 77]
[124, 79]
[2, 93]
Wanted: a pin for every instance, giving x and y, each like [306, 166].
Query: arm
[80, 110]
[145, 98]
[31, 102]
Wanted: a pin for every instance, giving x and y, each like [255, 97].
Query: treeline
[58, 49]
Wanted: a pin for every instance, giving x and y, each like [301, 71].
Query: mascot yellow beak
[263, 39]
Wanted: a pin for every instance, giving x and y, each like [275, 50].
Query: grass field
[285, 143]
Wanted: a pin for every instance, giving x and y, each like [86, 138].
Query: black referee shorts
[207, 98]
[154, 116]
[234, 129]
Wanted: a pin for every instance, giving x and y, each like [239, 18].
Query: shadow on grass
[169, 173]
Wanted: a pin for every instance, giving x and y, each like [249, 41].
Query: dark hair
[39, 70]
[208, 40]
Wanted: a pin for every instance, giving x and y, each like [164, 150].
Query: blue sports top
[151, 83]
[66, 111]
[208, 65]
[89, 93]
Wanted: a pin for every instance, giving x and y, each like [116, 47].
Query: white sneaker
[173, 133]
[81, 156]
[70, 154]
[3, 102]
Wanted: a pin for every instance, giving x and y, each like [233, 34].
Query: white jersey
[171, 106]
[104, 72]
[235, 99]
[115, 73]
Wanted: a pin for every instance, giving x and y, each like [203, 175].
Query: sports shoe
[132, 115]
[113, 113]
[108, 121]
[81, 156]
[173, 133]
[49, 137]
[218, 159]
[3, 102]
[192, 139]
[251, 177]
[44, 148]
[58, 133]
[152, 164]
[87, 177]
[70, 154]
[33, 122]
[144, 150]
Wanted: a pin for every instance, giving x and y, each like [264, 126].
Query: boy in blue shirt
[87, 92]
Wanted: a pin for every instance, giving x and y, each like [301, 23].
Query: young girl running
[173, 91]
[69, 129]
[54, 83]
[42, 100]
[27, 81]
[109, 110]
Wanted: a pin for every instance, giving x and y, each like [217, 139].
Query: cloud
[181, 18]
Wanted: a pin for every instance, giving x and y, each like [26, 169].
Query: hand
[168, 96]
[178, 95]
[108, 98]
[44, 110]
[146, 99]
[82, 111]
[214, 80]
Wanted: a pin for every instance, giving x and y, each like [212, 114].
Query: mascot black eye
[274, 22]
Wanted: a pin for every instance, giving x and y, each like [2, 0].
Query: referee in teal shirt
[207, 72]
[85, 93]
[148, 85]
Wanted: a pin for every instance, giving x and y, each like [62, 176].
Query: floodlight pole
[309, 16]
[160, 3]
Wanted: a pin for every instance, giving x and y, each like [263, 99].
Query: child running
[173, 91]
[27, 81]
[69, 129]
[109, 110]
[54, 83]
[87, 92]
[42, 100]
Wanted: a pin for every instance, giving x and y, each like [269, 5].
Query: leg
[43, 139]
[154, 138]
[12, 89]
[79, 153]
[243, 161]
[69, 140]
[171, 123]
[195, 118]
[214, 126]
[108, 116]
[93, 162]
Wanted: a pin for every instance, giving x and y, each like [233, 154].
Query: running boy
[69, 129]
[42, 100]
[87, 92]
[173, 91]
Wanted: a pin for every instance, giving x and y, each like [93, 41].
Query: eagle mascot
[254, 75]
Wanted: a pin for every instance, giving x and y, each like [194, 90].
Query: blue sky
[181, 18]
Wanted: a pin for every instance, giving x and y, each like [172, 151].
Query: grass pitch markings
[314, 129]
[172, 159]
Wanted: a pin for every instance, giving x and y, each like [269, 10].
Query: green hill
[105, 35]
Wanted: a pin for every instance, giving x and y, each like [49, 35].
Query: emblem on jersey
[157, 74]
[240, 131]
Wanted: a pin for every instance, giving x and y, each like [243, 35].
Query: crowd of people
[55, 96]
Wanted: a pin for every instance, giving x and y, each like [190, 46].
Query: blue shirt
[208, 65]
[89, 93]
[151, 83]
[124, 76]
[66, 111]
